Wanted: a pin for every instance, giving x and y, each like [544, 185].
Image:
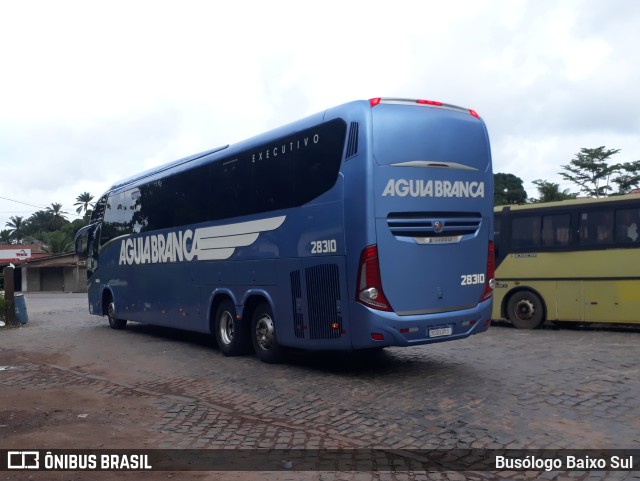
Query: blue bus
[364, 226]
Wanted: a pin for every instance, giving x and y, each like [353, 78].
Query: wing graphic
[220, 242]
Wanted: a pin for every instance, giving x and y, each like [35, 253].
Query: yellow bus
[570, 261]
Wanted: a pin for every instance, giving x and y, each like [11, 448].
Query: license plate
[440, 331]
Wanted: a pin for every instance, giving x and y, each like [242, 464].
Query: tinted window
[627, 225]
[525, 232]
[497, 224]
[288, 172]
[119, 215]
[556, 230]
[596, 227]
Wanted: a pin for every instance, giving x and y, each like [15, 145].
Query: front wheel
[525, 310]
[232, 334]
[114, 322]
[263, 335]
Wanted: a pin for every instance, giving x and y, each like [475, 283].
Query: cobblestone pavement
[149, 387]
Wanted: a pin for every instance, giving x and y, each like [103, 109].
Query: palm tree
[40, 221]
[550, 192]
[83, 202]
[59, 217]
[16, 227]
[58, 242]
[5, 236]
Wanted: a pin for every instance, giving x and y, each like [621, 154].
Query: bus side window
[526, 232]
[627, 225]
[555, 230]
[596, 228]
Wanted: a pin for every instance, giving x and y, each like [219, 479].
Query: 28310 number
[471, 279]
[324, 246]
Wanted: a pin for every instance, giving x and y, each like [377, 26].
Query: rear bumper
[398, 330]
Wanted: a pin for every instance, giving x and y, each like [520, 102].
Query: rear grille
[323, 310]
[433, 224]
[323, 300]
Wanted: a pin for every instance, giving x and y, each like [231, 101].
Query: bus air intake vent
[352, 145]
[433, 225]
[323, 301]
[296, 300]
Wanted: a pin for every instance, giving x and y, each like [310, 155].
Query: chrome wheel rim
[525, 310]
[265, 334]
[226, 327]
[111, 313]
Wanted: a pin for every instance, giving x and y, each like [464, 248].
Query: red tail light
[429, 102]
[369, 282]
[375, 101]
[489, 282]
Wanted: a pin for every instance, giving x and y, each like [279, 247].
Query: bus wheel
[264, 335]
[525, 310]
[114, 322]
[232, 334]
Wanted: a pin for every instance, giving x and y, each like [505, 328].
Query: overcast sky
[93, 92]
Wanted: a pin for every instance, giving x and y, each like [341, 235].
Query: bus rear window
[406, 133]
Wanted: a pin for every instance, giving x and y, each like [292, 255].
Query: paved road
[72, 382]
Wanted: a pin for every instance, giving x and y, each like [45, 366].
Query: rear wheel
[525, 310]
[232, 334]
[263, 335]
[114, 322]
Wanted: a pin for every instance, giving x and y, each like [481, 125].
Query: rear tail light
[370, 290]
[429, 102]
[489, 283]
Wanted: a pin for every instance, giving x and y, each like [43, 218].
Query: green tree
[58, 216]
[58, 242]
[550, 192]
[40, 221]
[590, 170]
[17, 227]
[5, 236]
[508, 189]
[83, 202]
[629, 177]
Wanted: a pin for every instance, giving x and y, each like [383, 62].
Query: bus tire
[114, 322]
[231, 334]
[263, 335]
[525, 310]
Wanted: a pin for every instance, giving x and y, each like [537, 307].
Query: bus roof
[229, 149]
[269, 136]
[155, 170]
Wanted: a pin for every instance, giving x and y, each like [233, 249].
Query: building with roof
[37, 271]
